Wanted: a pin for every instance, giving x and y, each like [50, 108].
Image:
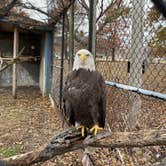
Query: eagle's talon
[95, 128]
[82, 130]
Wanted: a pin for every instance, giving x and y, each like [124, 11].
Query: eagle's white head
[84, 59]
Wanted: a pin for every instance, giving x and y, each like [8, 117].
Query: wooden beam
[15, 52]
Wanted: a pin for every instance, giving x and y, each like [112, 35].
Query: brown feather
[84, 98]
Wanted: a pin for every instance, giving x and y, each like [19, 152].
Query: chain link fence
[130, 50]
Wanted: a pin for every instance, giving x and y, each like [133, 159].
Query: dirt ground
[29, 122]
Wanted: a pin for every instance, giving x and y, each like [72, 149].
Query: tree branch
[128, 139]
[111, 5]
[12, 60]
[84, 5]
[56, 15]
[5, 10]
[71, 140]
[29, 5]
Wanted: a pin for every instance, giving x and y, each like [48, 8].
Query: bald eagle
[84, 100]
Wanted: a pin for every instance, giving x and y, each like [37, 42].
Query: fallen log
[71, 140]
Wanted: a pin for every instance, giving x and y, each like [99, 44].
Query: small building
[32, 42]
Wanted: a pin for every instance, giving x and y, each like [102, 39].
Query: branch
[14, 60]
[85, 157]
[5, 10]
[84, 5]
[2, 68]
[29, 5]
[55, 17]
[17, 60]
[60, 11]
[129, 139]
[71, 140]
[111, 5]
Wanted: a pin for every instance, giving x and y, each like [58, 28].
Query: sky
[40, 4]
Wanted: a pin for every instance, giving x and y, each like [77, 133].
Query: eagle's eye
[87, 54]
[79, 54]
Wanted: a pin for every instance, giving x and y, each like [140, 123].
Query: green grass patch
[10, 151]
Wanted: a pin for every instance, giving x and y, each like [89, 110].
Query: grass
[10, 151]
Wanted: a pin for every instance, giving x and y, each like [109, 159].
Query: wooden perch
[11, 61]
[2, 68]
[71, 140]
[14, 60]
[23, 58]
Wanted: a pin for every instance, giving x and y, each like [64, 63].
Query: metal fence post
[136, 59]
[62, 61]
[92, 26]
[71, 36]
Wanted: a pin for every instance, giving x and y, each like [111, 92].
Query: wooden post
[15, 52]
[136, 60]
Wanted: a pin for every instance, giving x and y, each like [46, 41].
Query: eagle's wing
[68, 111]
[74, 91]
[98, 109]
[102, 104]
[91, 92]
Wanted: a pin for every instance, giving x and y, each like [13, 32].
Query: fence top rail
[137, 90]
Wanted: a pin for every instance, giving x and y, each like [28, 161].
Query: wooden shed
[30, 44]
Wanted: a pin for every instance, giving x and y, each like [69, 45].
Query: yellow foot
[95, 128]
[82, 130]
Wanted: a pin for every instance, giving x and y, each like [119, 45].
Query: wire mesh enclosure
[130, 49]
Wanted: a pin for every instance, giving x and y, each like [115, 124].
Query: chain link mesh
[130, 50]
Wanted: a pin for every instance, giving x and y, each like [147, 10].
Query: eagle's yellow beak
[83, 58]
